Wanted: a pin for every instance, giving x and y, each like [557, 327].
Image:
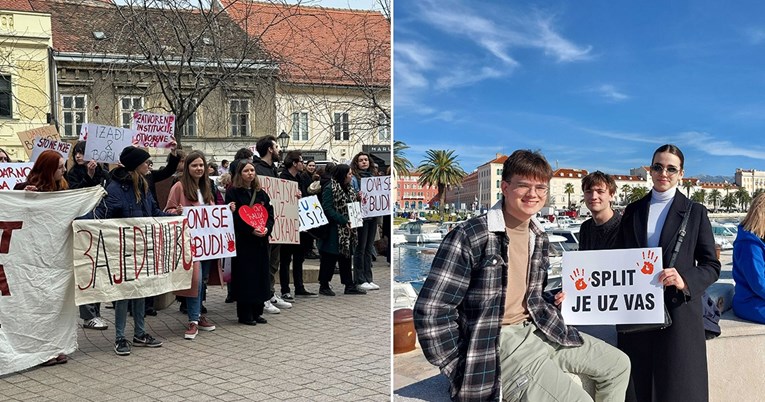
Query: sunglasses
[671, 170]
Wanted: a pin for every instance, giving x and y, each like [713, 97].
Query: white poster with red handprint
[375, 196]
[607, 287]
[212, 232]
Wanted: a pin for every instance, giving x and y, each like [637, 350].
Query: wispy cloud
[755, 35]
[610, 93]
[465, 76]
[706, 142]
[626, 136]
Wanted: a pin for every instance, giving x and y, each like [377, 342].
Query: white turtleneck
[657, 213]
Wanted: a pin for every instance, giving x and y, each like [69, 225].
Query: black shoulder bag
[635, 328]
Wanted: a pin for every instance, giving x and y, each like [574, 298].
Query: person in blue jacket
[749, 264]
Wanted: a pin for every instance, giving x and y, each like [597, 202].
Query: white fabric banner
[38, 317]
[311, 213]
[13, 173]
[130, 258]
[284, 199]
[212, 231]
[375, 196]
[613, 287]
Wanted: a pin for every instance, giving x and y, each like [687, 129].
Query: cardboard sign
[27, 137]
[375, 196]
[43, 144]
[130, 258]
[354, 214]
[13, 173]
[255, 216]
[212, 232]
[607, 287]
[284, 199]
[153, 130]
[310, 213]
[105, 143]
[38, 317]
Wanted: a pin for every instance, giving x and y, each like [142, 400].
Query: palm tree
[728, 202]
[714, 197]
[440, 169]
[743, 198]
[637, 193]
[569, 189]
[687, 185]
[699, 196]
[401, 164]
[758, 192]
[626, 190]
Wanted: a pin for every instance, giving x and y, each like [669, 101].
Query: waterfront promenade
[323, 349]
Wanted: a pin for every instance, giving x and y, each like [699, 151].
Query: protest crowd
[249, 209]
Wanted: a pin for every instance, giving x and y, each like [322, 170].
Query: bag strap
[252, 200]
[681, 235]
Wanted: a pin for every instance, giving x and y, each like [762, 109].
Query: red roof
[16, 5]
[316, 45]
[570, 173]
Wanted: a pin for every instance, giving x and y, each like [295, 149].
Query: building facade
[412, 196]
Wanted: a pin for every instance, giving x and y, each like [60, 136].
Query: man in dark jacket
[293, 165]
[265, 165]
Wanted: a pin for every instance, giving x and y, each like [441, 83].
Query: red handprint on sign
[578, 278]
[647, 264]
[230, 242]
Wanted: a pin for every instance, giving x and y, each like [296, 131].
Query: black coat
[78, 177]
[250, 281]
[674, 357]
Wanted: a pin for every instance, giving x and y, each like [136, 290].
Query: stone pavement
[323, 349]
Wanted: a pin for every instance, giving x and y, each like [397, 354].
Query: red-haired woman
[47, 174]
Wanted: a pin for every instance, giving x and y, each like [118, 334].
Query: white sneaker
[95, 323]
[278, 302]
[270, 308]
[365, 286]
[374, 286]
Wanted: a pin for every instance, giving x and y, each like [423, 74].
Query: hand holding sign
[255, 216]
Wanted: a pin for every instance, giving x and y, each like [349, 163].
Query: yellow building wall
[24, 42]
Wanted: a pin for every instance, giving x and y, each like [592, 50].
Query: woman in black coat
[671, 364]
[250, 282]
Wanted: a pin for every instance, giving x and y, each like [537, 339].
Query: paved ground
[325, 349]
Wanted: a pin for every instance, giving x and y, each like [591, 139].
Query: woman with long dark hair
[362, 166]
[671, 364]
[338, 246]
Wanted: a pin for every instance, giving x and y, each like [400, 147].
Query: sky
[593, 85]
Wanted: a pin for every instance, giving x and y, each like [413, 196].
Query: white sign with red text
[212, 232]
[13, 173]
[375, 196]
[153, 130]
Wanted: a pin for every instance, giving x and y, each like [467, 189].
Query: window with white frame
[6, 96]
[383, 127]
[74, 113]
[239, 116]
[189, 128]
[300, 126]
[129, 105]
[342, 129]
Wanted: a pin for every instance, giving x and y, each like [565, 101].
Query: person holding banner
[194, 188]
[87, 174]
[671, 363]
[47, 174]
[362, 166]
[749, 264]
[128, 196]
[338, 246]
[250, 284]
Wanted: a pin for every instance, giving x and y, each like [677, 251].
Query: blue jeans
[194, 304]
[120, 317]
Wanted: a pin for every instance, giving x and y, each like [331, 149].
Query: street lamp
[284, 140]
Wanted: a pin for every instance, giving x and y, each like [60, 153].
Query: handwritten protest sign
[612, 287]
[153, 130]
[212, 232]
[311, 213]
[284, 199]
[105, 143]
[38, 317]
[375, 196]
[13, 173]
[130, 258]
[42, 144]
[27, 137]
[354, 214]
[83, 133]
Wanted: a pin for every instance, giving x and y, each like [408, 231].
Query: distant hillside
[715, 179]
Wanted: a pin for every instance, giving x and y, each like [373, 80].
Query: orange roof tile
[570, 173]
[316, 45]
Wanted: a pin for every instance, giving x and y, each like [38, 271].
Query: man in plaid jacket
[483, 310]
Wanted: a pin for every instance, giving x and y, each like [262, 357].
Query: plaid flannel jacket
[458, 313]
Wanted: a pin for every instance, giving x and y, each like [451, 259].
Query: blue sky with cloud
[592, 84]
